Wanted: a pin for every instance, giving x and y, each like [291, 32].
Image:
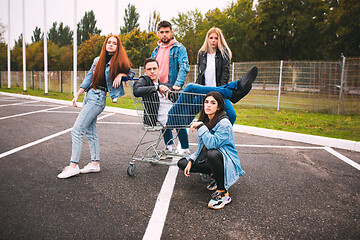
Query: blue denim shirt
[113, 92]
[178, 64]
[221, 137]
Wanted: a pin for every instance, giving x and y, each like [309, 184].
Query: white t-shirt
[164, 108]
[210, 72]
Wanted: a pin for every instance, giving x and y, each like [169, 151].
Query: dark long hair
[120, 62]
[219, 114]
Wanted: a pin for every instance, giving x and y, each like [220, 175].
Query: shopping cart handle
[125, 79]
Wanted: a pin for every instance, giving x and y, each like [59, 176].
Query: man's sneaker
[90, 168]
[219, 200]
[244, 85]
[114, 100]
[212, 185]
[69, 172]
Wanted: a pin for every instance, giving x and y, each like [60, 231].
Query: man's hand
[164, 90]
[176, 88]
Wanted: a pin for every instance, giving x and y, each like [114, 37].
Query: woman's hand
[187, 169]
[117, 80]
[74, 100]
[195, 125]
[76, 96]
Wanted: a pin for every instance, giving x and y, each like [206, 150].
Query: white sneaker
[69, 172]
[170, 148]
[90, 168]
[185, 152]
[114, 100]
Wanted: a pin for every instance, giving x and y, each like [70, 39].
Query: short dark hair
[164, 24]
[150, 60]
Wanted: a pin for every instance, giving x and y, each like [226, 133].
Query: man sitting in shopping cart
[156, 102]
[178, 109]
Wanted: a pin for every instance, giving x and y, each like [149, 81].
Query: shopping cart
[176, 111]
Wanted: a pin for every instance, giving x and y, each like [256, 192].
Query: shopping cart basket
[157, 114]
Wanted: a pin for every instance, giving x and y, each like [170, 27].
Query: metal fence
[322, 86]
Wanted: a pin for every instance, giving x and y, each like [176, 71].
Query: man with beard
[174, 67]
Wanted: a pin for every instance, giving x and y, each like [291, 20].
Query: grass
[320, 124]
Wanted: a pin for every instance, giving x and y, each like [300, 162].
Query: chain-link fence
[331, 87]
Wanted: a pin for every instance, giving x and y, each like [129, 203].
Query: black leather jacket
[145, 88]
[222, 66]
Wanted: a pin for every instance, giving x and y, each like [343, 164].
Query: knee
[213, 155]
[189, 87]
[182, 163]
[232, 117]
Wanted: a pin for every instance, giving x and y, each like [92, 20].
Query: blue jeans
[94, 104]
[230, 111]
[188, 106]
[182, 134]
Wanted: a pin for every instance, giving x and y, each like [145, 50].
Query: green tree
[2, 30]
[139, 45]
[3, 49]
[87, 27]
[37, 35]
[88, 50]
[61, 35]
[186, 27]
[154, 20]
[131, 19]
[237, 16]
[18, 43]
[35, 56]
[342, 28]
[53, 34]
[288, 29]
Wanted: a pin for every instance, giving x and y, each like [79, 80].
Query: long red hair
[120, 62]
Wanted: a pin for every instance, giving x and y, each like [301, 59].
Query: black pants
[213, 164]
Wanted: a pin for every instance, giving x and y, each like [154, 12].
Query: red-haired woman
[104, 76]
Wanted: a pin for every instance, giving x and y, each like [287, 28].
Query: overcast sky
[63, 11]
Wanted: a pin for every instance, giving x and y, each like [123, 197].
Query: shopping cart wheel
[131, 170]
[205, 177]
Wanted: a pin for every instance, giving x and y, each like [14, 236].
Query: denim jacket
[113, 92]
[221, 137]
[178, 64]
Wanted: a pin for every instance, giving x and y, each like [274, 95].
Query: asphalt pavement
[290, 190]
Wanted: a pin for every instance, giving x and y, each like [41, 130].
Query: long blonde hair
[222, 45]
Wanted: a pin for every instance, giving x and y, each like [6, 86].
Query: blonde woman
[214, 65]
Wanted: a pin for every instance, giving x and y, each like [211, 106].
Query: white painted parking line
[11, 100]
[73, 112]
[28, 113]
[158, 217]
[121, 123]
[14, 104]
[328, 149]
[44, 105]
[43, 139]
[343, 158]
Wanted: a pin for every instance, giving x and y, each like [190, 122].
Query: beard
[165, 41]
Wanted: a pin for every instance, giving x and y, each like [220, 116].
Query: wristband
[202, 124]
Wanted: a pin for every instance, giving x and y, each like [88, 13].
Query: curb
[297, 137]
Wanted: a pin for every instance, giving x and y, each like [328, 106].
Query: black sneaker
[219, 200]
[244, 85]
